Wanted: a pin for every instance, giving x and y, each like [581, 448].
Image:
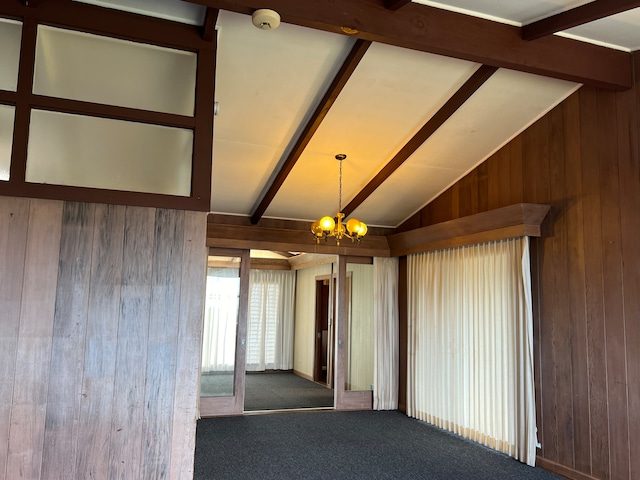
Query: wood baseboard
[303, 375]
[566, 472]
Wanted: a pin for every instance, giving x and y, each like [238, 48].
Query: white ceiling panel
[176, 10]
[502, 108]
[240, 171]
[515, 12]
[404, 191]
[392, 93]
[620, 31]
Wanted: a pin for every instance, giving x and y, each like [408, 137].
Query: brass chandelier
[336, 227]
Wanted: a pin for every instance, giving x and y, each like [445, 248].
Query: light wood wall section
[100, 337]
[582, 159]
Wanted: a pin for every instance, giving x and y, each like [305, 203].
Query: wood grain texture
[33, 355]
[582, 158]
[67, 349]
[14, 221]
[506, 222]
[96, 398]
[77, 359]
[629, 134]
[125, 455]
[616, 368]
[576, 278]
[162, 344]
[194, 255]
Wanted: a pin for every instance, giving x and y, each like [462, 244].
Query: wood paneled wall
[100, 336]
[582, 159]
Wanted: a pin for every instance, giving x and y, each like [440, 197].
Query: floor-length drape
[270, 321]
[386, 327]
[470, 329]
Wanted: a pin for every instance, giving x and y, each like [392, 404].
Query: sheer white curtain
[220, 319]
[470, 364]
[386, 326]
[270, 322]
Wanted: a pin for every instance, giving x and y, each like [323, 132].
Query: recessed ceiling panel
[94, 152]
[267, 85]
[98, 69]
[6, 139]
[176, 10]
[501, 109]
[10, 36]
[390, 96]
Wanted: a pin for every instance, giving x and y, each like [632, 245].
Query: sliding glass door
[224, 333]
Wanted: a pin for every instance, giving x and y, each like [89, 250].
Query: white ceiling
[268, 84]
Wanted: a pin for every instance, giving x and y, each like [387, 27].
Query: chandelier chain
[340, 190]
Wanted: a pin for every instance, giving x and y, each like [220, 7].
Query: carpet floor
[345, 445]
[271, 391]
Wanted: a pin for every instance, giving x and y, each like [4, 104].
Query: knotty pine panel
[80, 284]
[582, 159]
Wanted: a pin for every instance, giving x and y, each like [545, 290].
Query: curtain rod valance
[522, 219]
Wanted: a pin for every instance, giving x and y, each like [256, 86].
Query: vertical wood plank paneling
[67, 349]
[14, 220]
[96, 407]
[125, 455]
[628, 141]
[26, 436]
[504, 177]
[593, 284]
[493, 181]
[194, 270]
[576, 284]
[558, 304]
[612, 281]
[464, 195]
[546, 328]
[583, 159]
[455, 201]
[516, 182]
[483, 187]
[162, 344]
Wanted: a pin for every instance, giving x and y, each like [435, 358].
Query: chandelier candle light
[336, 227]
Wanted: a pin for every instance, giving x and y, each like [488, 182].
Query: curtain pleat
[470, 344]
[270, 320]
[386, 322]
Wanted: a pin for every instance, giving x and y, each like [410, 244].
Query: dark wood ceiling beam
[453, 34]
[106, 21]
[209, 27]
[348, 67]
[395, 4]
[434, 123]
[576, 16]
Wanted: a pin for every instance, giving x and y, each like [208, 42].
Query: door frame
[234, 404]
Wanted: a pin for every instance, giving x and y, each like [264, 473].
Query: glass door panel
[224, 331]
[220, 326]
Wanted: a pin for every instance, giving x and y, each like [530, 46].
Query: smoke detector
[266, 19]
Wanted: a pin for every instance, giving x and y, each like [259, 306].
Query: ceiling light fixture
[336, 227]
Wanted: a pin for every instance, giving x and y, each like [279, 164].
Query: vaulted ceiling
[416, 94]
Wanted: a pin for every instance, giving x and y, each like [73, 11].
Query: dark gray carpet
[344, 445]
[283, 390]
